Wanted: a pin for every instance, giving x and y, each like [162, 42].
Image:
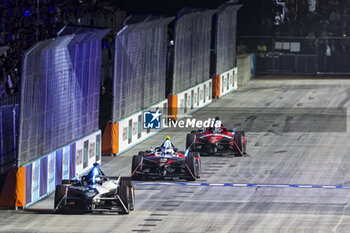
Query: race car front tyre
[125, 195]
[194, 132]
[239, 147]
[136, 166]
[60, 194]
[191, 165]
[190, 138]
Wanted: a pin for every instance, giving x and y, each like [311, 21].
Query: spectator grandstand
[301, 36]
[300, 18]
[22, 24]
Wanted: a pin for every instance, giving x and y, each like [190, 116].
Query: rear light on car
[163, 161]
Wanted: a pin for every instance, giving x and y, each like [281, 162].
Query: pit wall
[225, 82]
[120, 136]
[33, 181]
[190, 100]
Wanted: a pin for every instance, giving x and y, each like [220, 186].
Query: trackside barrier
[190, 100]
[122, 135]
[245, 66]
[224, 83]
[31, 182]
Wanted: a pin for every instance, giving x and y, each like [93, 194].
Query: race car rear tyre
[59, 197]
[67, 181]
[238, 139]
[124, 194]
[132, 197]
[136, 166]
[141, 153]
[197, 163]
[190, 138]
[191, 165]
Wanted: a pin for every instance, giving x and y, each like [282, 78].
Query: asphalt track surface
[295, 178]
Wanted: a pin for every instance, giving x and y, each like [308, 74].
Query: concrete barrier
[224, 83]
[122, 135]
[245, 65]
[190, 100]
[33, 181]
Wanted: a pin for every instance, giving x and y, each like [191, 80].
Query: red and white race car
[166, 162]
[217, 141]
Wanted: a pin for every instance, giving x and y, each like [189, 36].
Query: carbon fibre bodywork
[157, 165]
[110, 194]
[219, 141]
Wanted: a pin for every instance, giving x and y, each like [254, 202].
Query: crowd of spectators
[322, 25]
[312, 18]
[23, 23]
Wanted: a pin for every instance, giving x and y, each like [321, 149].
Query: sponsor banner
[43, 176]
[59, 172]
[29, 171]
[98, 148]
[72, 172]
[194, 98]
[228, 81]
[132, 128]
[92, 152]
[65, 163]
[35, 180]
[79, 157]
[51, 171]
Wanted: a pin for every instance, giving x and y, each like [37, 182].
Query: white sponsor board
[88, 143]
[228, 81]
[85, 154]
[35, 180]
[131, 131]
[51, 162]
[194, 98]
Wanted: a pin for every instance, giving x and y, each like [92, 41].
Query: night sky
[249, 16]
[163, 7]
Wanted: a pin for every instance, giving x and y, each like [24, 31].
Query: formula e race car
[166, 162]
[95, 192]
[217, 141]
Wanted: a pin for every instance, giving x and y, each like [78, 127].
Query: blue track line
[244, 185]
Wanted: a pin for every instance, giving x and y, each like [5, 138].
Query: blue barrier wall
[43, 174]
[9, 120]
[59, 92]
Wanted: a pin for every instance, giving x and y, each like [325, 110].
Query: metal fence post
[14, 133]
[317, 56]
[2, 140]
[273, 40]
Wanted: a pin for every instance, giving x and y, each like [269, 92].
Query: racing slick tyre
[125, 195]
[191, 166]
[190, 141]
[141, 153]
[67, 181]
[194, 132]
[239, 145]
[136, 166]
[197, 163]
[60, 194]
[132, 196]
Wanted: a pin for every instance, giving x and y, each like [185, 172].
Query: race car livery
[166, 162]
[217, 141]
[95, 192]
